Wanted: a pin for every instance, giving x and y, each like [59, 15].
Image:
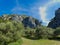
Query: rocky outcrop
[55, 22]
[26, 20]
[31, 22]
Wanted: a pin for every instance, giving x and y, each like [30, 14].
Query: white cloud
[18, 8]
[43, 9]
[43, 14]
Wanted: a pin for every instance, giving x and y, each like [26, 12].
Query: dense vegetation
[11, 32]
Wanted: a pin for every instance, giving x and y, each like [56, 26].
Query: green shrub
[38, 33]
[57, 33]
[10, 33]
[18, 42]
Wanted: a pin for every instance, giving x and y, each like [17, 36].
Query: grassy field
[40, 42]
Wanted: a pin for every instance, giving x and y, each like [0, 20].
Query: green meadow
[40, 42]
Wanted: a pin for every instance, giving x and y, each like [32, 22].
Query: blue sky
[40, 9]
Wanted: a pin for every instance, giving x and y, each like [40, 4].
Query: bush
[57, 33]
[28, 33]
[18, 42]
[44, 32]
[38, 33]
[10, 32]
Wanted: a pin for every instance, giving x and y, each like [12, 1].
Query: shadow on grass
[55, 38]
[36, 38]
[32, 38]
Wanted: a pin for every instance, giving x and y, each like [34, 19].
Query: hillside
[27, 21]
[55, 22]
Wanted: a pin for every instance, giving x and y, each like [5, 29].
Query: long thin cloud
[43, 9]
[17, 3]
[18, 8]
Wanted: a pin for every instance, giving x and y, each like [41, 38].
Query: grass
[40, 42]
[19, 42]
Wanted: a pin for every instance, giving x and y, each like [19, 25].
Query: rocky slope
[26, 20]
[55, 22]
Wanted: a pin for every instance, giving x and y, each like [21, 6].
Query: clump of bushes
[57, 33]
[10, 32]
[42, 32]
[38, 33]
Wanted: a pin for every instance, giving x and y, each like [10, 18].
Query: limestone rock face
[26, 20]
[31, 22]
[55, 22]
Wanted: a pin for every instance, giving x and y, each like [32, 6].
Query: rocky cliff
[55, 22]
[26, 20]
